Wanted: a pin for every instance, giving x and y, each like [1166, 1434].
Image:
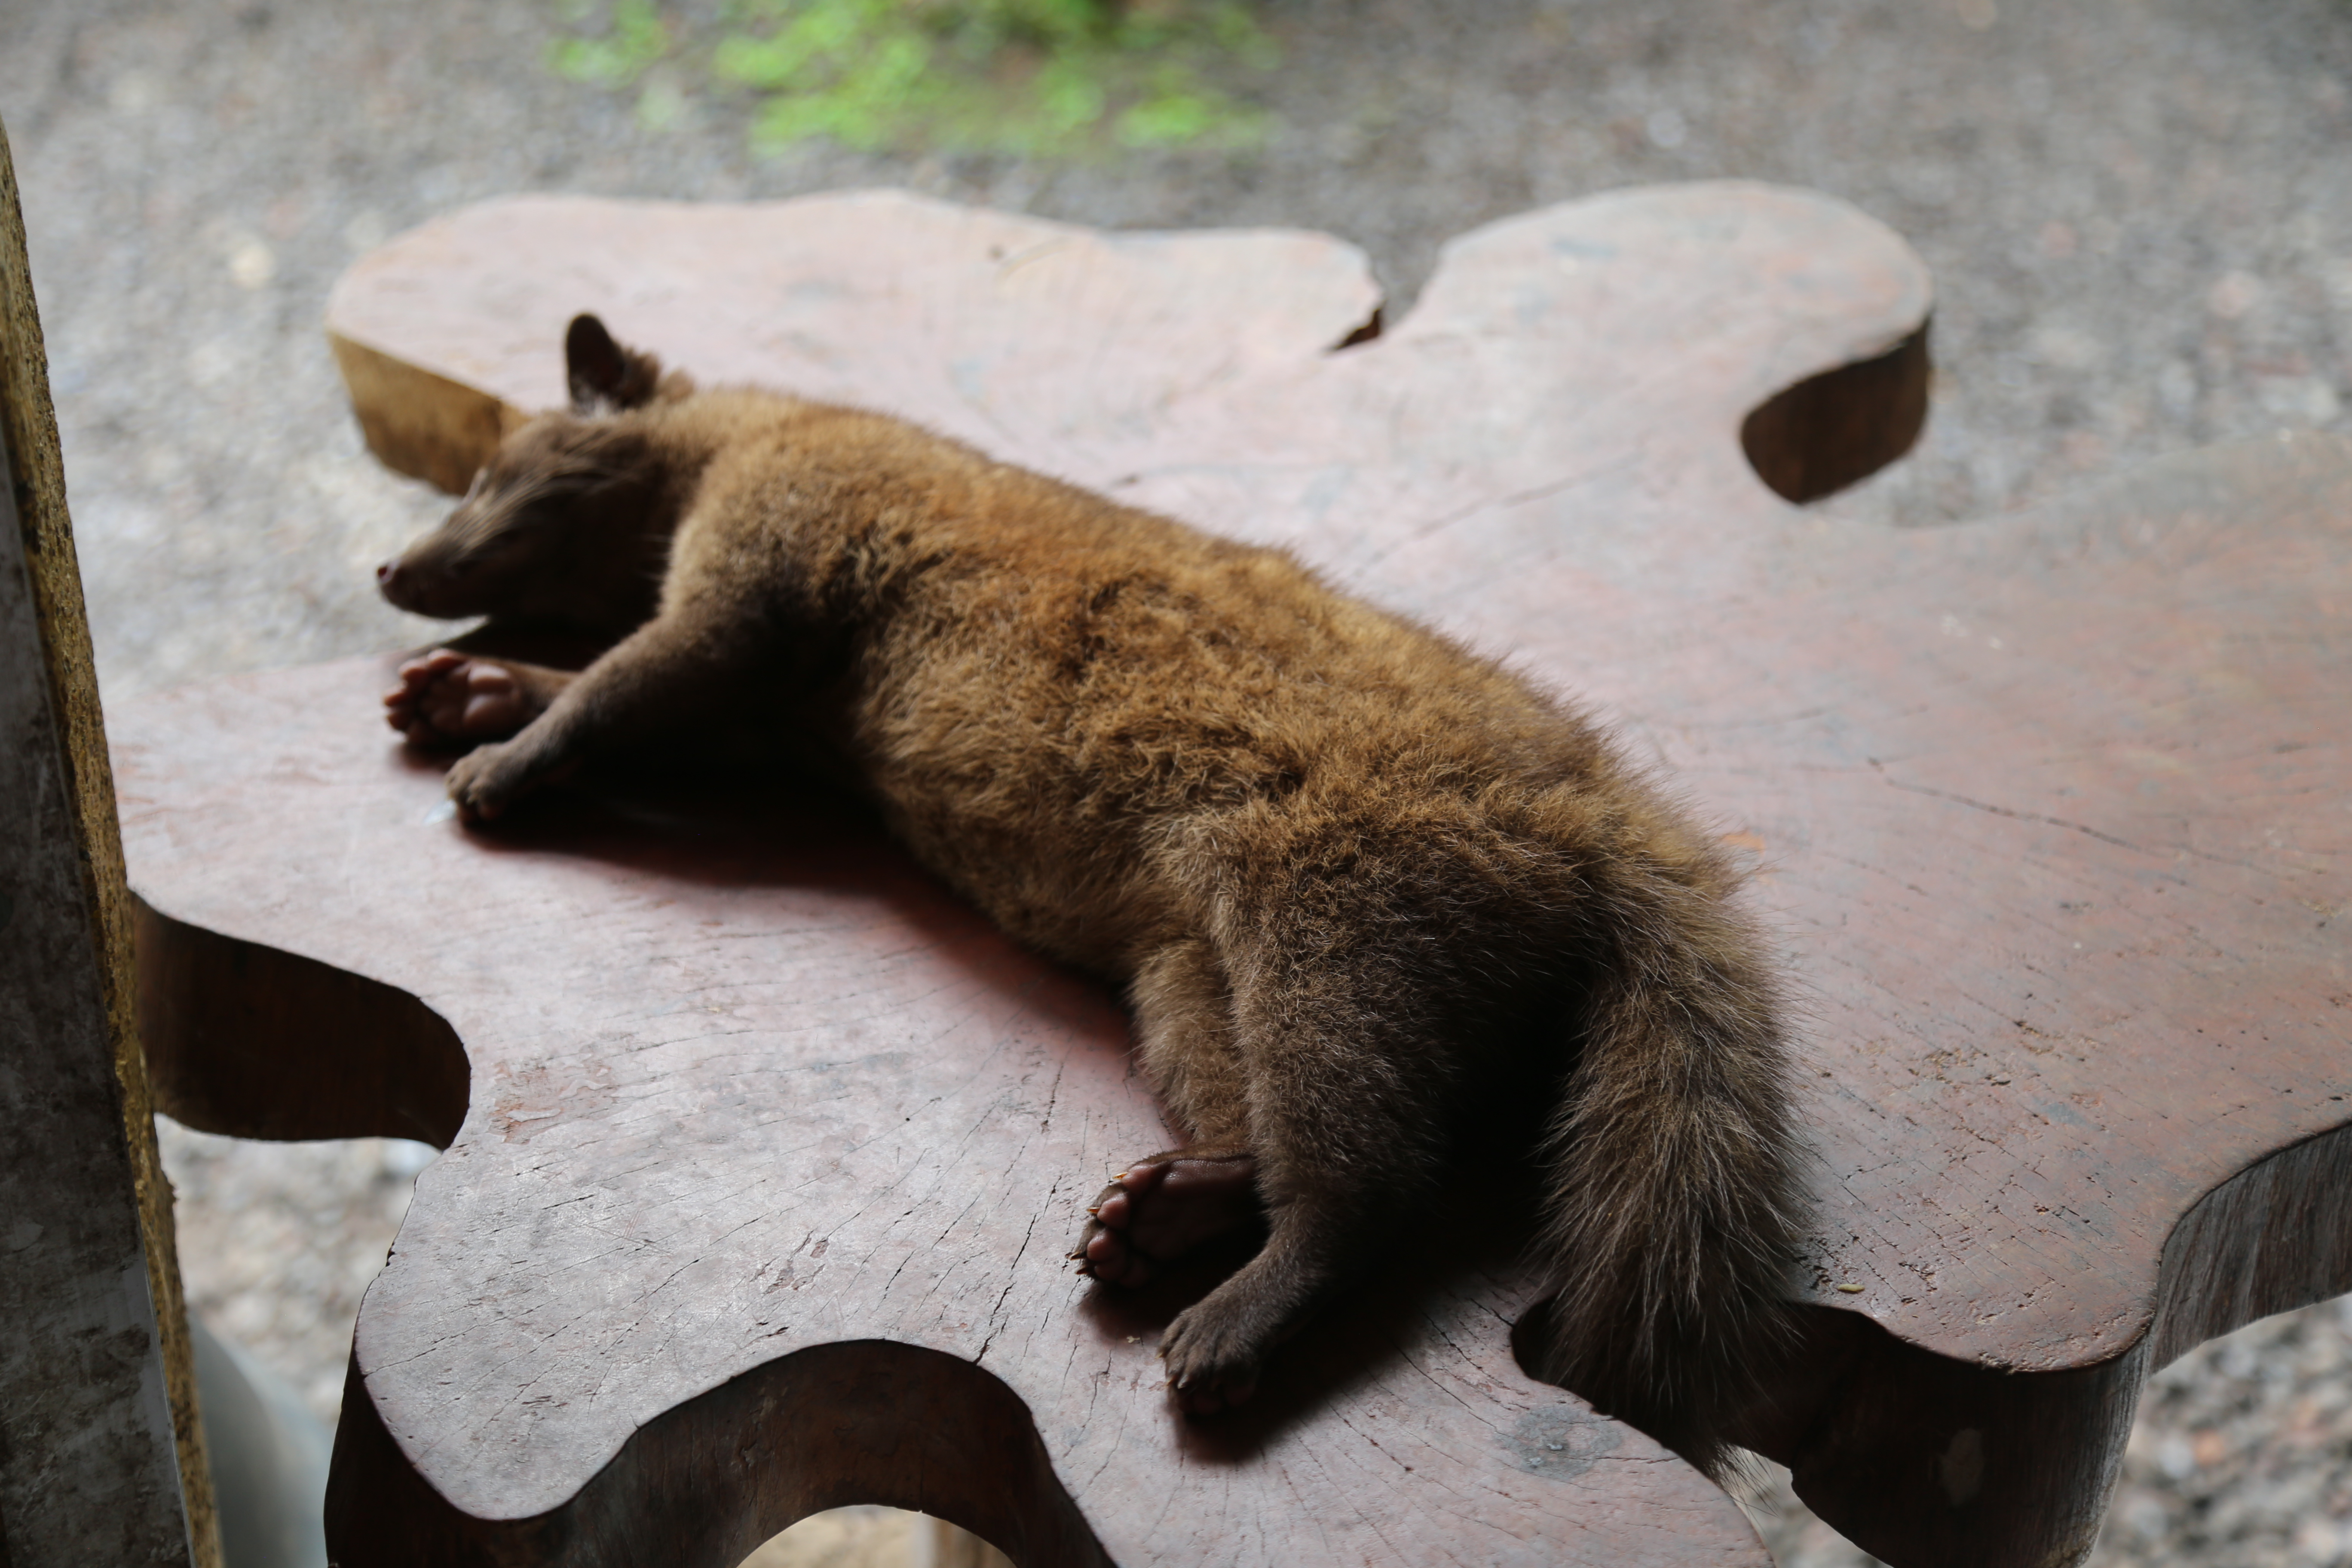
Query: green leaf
[1035, 78]
[637, 39]
[1169, 120]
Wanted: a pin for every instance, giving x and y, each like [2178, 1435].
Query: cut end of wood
[1838, 427]
[419, 424]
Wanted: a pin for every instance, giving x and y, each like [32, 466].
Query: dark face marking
[555, 527]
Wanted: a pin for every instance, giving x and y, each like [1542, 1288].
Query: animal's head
[569, 520]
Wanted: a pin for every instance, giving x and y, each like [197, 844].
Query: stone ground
[2139, 212]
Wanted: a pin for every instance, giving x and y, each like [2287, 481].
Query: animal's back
[1096, 719]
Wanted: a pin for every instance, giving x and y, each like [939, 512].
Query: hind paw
[1213, 1350]
[1162, 1207]
[488, 778]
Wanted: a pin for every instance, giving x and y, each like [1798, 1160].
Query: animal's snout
[402, 585]
[428, 579]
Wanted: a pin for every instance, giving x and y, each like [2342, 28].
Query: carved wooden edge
[2020, 1466]
[2270, 1239]
[861, 1421]
[35, 467]
[251, 1042]
[2023, 1470]
[1806, 441]
[1838, 427]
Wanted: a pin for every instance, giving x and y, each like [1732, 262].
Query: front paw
[447, 699]
[1162, 1207]
[487, 780]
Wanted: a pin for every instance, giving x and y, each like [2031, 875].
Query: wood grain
[2047, 809]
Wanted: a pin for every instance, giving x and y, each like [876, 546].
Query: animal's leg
[1349, 1089]
[449, 698]
[664, 676]
[1165, 1205]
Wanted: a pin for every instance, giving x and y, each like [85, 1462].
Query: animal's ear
[604, 376]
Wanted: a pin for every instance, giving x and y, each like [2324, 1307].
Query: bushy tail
[1675, 1210]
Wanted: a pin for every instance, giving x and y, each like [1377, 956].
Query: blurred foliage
[1050, 77]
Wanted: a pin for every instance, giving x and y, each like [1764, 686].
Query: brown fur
[1351, 876]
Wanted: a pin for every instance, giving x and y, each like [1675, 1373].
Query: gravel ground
[2139, 212]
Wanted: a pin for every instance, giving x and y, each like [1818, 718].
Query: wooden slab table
[763, 1153]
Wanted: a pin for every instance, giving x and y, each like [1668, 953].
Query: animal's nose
[387, 577]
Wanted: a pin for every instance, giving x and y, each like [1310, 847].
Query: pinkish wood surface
[2049, 809]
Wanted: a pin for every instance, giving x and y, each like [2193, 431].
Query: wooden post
[101, 1457]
